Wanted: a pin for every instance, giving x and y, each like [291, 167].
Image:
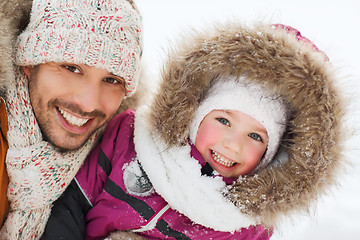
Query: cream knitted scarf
[38, 173]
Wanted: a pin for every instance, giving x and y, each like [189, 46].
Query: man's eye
[255, 136]
[223, 121]
[113, 81]
[72, 68]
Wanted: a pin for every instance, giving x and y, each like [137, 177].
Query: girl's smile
[231, 141]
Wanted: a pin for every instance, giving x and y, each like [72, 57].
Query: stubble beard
[46, 119]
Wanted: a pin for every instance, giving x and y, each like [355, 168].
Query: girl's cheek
[208, 132]
[255, 156]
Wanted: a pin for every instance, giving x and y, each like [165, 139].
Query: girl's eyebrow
[262, 130]
[257, 128]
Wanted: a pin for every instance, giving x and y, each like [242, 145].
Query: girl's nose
[234, 142]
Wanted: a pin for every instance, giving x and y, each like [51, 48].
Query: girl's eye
[255, 136]
[223, 121]
[72, 68]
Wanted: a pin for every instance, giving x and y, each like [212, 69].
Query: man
[74, 64]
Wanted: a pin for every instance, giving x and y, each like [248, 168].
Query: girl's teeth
[71, 119]
[220, 159]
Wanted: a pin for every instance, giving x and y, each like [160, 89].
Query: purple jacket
[117, 207]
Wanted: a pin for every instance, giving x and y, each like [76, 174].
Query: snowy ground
[334, 26]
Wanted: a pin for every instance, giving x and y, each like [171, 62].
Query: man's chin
[65, 140]
[66, 148]
[70, 144]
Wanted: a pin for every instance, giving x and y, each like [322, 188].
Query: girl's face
[232, 142]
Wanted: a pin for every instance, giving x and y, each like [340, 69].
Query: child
[244, 130]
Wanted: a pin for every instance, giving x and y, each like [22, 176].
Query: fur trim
[14, 16]
[286, 67]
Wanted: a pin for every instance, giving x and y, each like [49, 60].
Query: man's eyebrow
[112, 74]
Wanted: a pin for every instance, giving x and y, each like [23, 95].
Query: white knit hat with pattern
[251, 99]
[104, 34]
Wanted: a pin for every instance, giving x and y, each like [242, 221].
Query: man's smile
[72, 119]
[74, 123]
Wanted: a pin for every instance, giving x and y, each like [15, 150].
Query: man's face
[71, 101]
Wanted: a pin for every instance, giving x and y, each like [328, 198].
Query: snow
[334, 27]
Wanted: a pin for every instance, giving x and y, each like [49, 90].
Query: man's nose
[87, 96]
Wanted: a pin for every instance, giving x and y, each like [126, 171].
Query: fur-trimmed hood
[287, 65]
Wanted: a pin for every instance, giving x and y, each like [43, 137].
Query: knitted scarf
[38, 173]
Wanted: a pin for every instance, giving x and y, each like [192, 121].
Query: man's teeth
[220, 159]
[73, 120]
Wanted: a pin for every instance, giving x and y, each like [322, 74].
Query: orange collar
[3, 117]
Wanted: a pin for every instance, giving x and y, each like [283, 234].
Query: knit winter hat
[251, 99]
[103, 34]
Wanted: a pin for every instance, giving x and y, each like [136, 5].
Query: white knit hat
[103, 34]
[251, 99]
